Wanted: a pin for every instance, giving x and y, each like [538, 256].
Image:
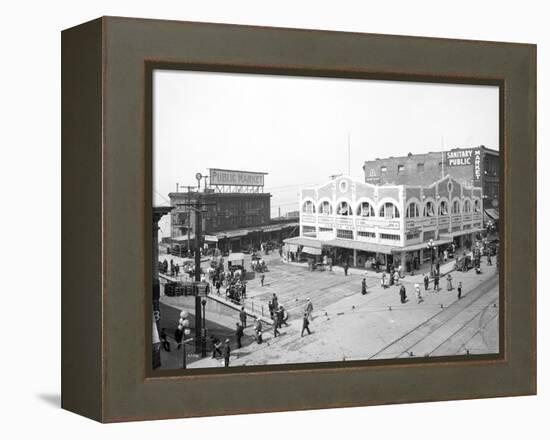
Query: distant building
[358, 222]
[236, 213]
[478, 167]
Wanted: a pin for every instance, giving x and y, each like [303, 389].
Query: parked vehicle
[464, 263]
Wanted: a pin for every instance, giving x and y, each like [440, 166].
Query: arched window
[343, 208]
[365, 209]
[443, 208]
[477, 206]
[429, 210]
[325, 208]
[456, 207]
[467, 206]
[412, 210]
[389, 210]
[308, 207]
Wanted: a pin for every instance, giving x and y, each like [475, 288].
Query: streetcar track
[483, 285]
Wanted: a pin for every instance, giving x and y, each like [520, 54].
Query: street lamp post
[184, 324]
[431, 247]
[203, 335]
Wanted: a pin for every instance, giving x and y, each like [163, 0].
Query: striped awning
[311, 251]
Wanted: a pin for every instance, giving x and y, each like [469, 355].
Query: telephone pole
[198, 207]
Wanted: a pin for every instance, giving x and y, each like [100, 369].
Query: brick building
[478, 167]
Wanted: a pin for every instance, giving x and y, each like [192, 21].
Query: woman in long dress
[449, 282]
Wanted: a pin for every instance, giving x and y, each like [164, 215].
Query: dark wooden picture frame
[107, 69]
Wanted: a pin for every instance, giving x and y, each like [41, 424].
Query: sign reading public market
[236, 178]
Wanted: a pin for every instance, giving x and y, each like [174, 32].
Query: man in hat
[226, 353]
[242, 316]
[239, 333]
[426, 282]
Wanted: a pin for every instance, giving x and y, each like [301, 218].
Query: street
[350, 326]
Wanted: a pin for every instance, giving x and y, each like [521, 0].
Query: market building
[235, 214]
[476, 166]
[359, 223]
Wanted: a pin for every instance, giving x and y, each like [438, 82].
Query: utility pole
[198, 207]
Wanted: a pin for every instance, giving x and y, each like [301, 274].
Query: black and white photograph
[305, 220]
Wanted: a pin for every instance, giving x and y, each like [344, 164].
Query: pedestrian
[279, 314]
[275, 302]
[445, 255]
[242, 316]
[383, 280]
[449, 282]
[164, 340]
[226, 353]
[275, 325]
[284, 317]
[244, 290]
[364, 287]
[270, 307]
[489, 261]
[178, 335]
[437, 267]
[258, 331]
[171, 267]
[305, 325]
[426, 282]
[386, 281]
[459, 289]
[396, 278]
[218, 286]
[309, 310]
[418, 293]
[216, 346]
[177, 269]
[262, 279]
[346, 268]
[436, 282]
[239, 333]
[403, 294]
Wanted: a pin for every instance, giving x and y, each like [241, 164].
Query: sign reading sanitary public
[235, 178]
[460, 158]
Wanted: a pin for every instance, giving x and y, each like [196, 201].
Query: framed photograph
[322, 219]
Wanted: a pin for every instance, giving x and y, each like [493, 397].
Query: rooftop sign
[235, 178]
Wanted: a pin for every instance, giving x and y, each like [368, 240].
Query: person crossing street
[305, 325]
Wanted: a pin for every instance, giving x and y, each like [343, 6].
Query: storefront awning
[358, 245]
[303, 241]
[311, 251]
[237, 256]
[492, 214]
[418, 246]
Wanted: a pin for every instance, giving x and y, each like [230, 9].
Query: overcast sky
[297, 128]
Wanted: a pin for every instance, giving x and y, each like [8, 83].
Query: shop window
[412, 236]
[309, 231]
[412, 210]
[344, 233]
[343, 208]
[420, 168]
[366, 234]
[400, 169]
[389, 210]
[365, 209]
[325, 208]
[394, 237]
[321, 229]
[308, 207]
[383, 169]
